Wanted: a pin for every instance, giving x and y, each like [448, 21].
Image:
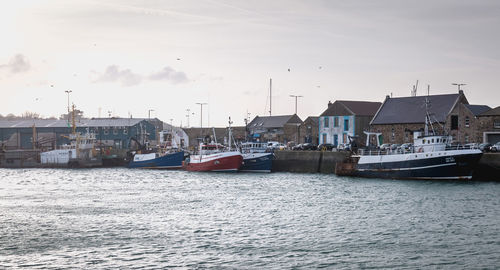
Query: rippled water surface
[121, 218]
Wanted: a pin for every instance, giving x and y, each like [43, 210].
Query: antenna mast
[270, 95]
[414, 91]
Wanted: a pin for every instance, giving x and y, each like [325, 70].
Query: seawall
[307, 161]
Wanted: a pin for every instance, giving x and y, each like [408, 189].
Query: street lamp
[187, 115]
[295, 96]
[67, 92]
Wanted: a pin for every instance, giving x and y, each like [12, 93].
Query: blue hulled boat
[157, 161]
[255, 157]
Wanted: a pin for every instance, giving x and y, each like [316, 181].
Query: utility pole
[201, 117]
[295, 96]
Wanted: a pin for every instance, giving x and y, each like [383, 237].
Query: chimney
[329, 103]
[387, 97]
[461, 92]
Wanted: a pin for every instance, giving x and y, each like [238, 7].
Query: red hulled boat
[211, 158]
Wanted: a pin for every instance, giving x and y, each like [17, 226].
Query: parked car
[326, 147]
[385, 146]
[485, 147]
[308, 146]
[495, 147]
[407, 146]
[395, 146]
[344, 146]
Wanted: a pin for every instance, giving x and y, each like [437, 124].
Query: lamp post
[67, 92]
[295, 96]
[201, 117]
[187, 115]
[297, 134]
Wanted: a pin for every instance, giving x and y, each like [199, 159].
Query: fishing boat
[79, 153]
[167, 156]
[157, 160]
[215, 157]
[430, 157]
[256, 157]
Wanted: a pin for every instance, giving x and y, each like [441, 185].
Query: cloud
[17, 64]
[169, 74]
[126, 77]
[113, 74]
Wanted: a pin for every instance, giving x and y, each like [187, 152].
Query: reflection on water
[125, 218]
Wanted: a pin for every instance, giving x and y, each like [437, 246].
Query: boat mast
[230, 133]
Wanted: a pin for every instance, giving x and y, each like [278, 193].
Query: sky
[129, 58]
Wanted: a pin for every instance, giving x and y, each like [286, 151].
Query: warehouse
[51, 134]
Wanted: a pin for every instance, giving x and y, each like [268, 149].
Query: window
[346, 124]
[454, 122]
[335, 121]
[496, 124]
[392, 134]
[325, 122]
[125, 131]
[106, 131]
[324, 138]
[115, 131]
[467, 121]
[466, 138]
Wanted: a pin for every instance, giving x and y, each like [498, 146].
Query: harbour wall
[324, 162]
[307, 161]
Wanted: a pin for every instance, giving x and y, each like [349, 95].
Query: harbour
[117, 217]
[250, 135]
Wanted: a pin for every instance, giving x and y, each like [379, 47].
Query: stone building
[489, 125]
[463, 123]
[309, 130]
[397, 118]
[345, 118]
[280, 128]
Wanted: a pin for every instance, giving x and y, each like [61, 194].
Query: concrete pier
[307, 161]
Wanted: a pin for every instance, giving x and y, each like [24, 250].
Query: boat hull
[257, 162]
[438, 165]
[168, 161]
[220, 162]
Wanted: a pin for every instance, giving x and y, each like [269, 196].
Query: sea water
[149, 219]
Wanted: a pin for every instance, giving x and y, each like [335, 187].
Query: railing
[413, 149]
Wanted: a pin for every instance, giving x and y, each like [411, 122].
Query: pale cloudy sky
[129, 56]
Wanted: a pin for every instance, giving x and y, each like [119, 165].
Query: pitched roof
[273, 121]
[477, 109]
[362, 108]
[56, 123]
[492, 112]
[405, 110]
[315, 119]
